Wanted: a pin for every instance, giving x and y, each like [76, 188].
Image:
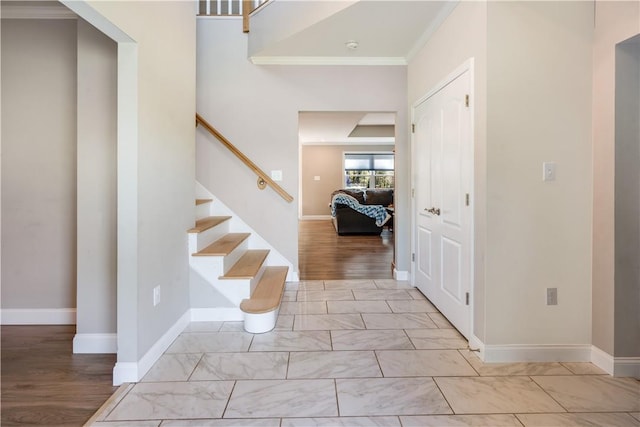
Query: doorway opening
[338, 151]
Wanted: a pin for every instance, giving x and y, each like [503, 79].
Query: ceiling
[387, 32]
[336, 128]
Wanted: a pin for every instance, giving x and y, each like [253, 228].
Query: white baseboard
[315, 217]
[535, 353]
[38, 316]
[292, 276]
[616, 366]
[129, 372]
[400, 275]
[223, 314]
[95, 343]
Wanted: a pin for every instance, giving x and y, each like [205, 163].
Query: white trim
[124, 372]
[38, 316]
[315, 217]
[129, 372]
[401, 274]
[616, 366]
[326, 60]
[26, 11]
[536, 353]
[95, 343]
[222, 314]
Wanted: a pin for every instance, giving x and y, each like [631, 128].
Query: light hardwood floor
[44, 383]
[323, 254]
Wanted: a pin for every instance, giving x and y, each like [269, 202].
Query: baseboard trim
[400, 275]
[130, 372]
[38, 316]
[95, 343]
[223, 314]
[536, 353]
[616, 366]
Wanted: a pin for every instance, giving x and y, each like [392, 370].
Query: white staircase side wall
[203, 210]
[236, 225]
[209, 269]
[199, 241]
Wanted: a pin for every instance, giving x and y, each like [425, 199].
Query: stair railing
[230, 8]
[263, 178]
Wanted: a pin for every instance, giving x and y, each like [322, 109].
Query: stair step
[268, 293]
[203, 201]
[207, 223]
[224, 245]
[248, 265]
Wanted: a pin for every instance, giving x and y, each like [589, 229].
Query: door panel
[442, 165]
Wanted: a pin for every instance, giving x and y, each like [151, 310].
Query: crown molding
[327, 60]
[40, 11]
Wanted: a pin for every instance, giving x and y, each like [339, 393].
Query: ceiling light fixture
[352, 44]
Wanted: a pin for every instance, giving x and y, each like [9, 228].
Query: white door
[443, 162]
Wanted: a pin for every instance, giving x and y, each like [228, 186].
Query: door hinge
[467, 298]
[466, 199]
[466, 100]
[413, 192]
[413, 128]
[413, 257]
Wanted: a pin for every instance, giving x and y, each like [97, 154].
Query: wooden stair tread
[248, 265]
[207, 223]
[224, 245]
[203, 201]
[268, 293]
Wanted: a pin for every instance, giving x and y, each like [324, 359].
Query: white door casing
[442, 236]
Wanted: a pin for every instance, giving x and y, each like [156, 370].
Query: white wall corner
[95, 343]
[125, 372]
[536, 353]
[130, 372]
[615, 366]
[401, 275]
[38, 316]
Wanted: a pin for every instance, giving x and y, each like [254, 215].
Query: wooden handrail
[263, 178]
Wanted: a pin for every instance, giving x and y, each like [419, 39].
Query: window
[369, 170]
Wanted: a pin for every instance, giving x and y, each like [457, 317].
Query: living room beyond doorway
[323, 254]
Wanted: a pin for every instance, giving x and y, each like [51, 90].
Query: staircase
[237, 271]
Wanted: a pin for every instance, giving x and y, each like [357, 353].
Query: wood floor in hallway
[44, 383]
[323, 254]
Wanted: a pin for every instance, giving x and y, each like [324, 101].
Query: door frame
[466, 66]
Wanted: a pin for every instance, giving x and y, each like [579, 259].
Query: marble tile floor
[359, 353]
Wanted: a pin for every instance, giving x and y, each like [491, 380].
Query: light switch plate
[549, 171]
[276, 175]
[316, 178]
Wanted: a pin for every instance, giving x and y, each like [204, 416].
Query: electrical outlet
[552, 296]
[276, 175]
[156, 295]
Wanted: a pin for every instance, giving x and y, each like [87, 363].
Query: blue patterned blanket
[377, 212]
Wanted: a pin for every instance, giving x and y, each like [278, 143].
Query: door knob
[434, 211]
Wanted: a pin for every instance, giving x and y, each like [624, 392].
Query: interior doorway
[330, 144]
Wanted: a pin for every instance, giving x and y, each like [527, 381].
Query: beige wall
[531, 104]
[325, 161]
[38, 164]
[538, 233]
[462, 36]
[615, 21]
[96, 181]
